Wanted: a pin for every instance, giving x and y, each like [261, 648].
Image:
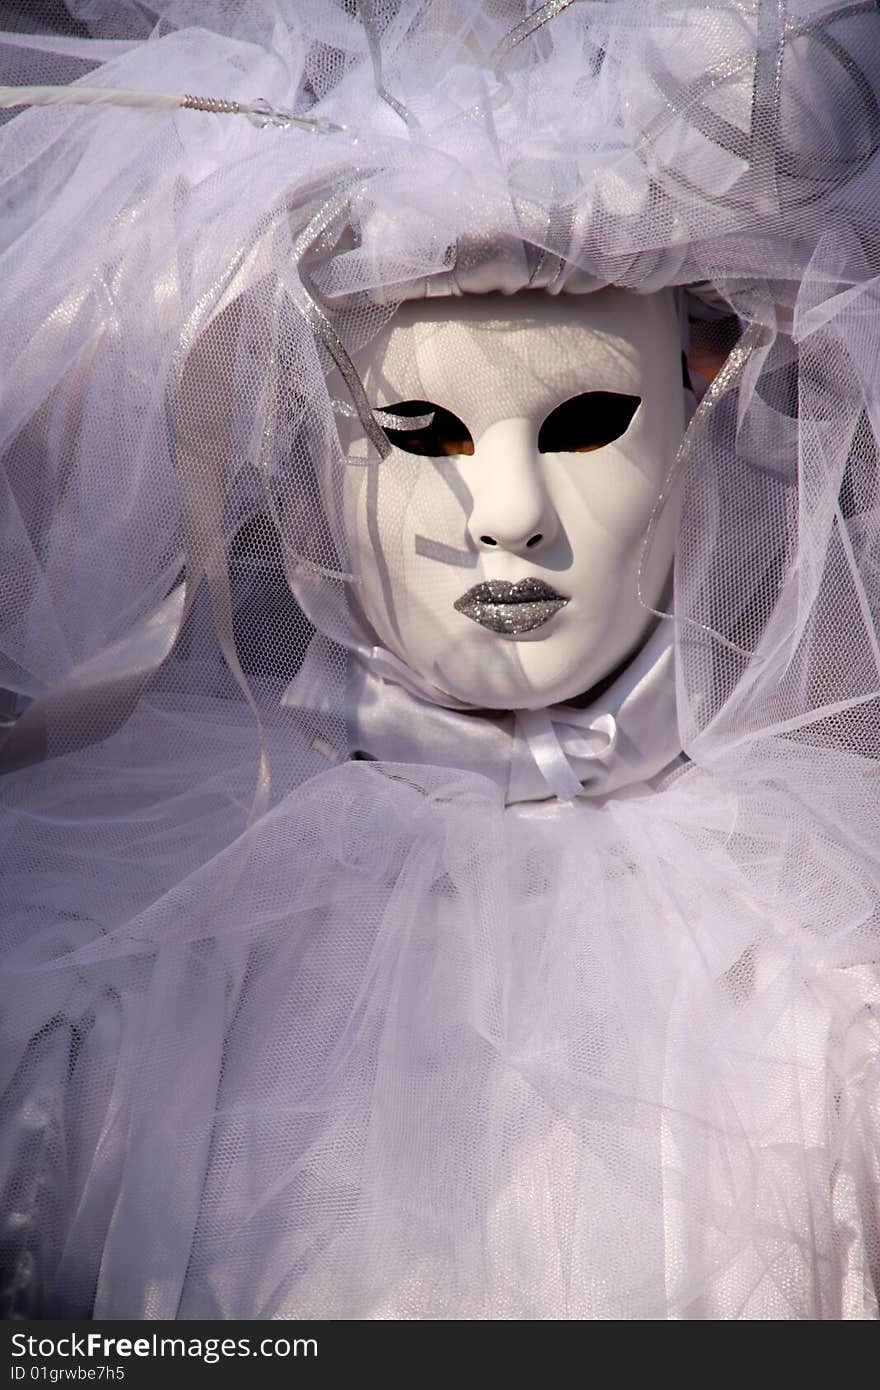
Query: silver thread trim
[733, 368]
[215, 105]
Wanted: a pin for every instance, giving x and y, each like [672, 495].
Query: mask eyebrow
[389, 421]
[423, 428]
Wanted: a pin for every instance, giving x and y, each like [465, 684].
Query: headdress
[377, 1013]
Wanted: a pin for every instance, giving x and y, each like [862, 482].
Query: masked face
[498, 544]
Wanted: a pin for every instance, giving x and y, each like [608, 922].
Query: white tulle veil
[292, 1034]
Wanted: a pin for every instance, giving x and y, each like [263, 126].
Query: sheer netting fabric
[289, 1032]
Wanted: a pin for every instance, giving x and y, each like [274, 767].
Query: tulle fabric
[573, 1063]
[287, 1034]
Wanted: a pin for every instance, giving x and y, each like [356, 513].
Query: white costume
[440, 819]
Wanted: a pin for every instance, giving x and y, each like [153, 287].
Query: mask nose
[512, 509]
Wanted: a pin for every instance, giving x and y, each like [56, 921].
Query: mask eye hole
[587, 422]
[434, 432]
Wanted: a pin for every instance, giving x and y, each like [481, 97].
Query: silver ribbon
[525, 29]
[368, 19]
[329, 215]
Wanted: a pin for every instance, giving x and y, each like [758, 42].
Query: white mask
[500, 561]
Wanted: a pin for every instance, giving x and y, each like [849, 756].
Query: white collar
[629, 734]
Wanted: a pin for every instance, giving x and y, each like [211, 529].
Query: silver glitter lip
[510, 608]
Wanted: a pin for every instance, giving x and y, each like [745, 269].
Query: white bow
[559, 734]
